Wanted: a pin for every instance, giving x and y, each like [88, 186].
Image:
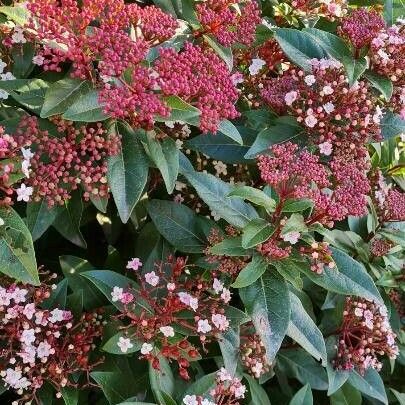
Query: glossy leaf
[251, 272]
[255, 232]
[303, 396]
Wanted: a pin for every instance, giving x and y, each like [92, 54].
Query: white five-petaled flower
[203, 326]
[256, 66]
[290, 97]
[24, 193]
[28, 336]
[146, 348]
[27, 153]
[134, 264]
[224, 375]
[226, 295]
[152, 278]
[325, 148]
[310, 80]
[310, 121]
[171, 286]
[217, 286]
[116, 294]
[38, 60]
[44, 349]
[329, 107]
[124, 344]
[167, 331]
[327, 90]
[57, 315]
[190, 400]
[291, 237]
[240, 391]
[18, 36]
[189, 300]
[220, 322]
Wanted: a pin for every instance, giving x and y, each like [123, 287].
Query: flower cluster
[365, 333]
[228, 391]
[43, 345]
[385, 51]
[329, 109]
[170, 297]
[229, 21]
[60, 164]
[330, 9]
[320, 256]
[361, 26]
[201, 78]
[380, 247]
[253, 352]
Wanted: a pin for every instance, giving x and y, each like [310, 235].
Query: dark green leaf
[257, 394]
[251, 272]
[40, 217]
[381, 83]
[297, 205]
[255, 196]
[347, 395]
[257, 231]
[229, 247]
[303, 396]
[370, 384]
[392, 125]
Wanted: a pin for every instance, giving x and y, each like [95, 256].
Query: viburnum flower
[361, 26]
[330, 9]
[43, 346]
[230, 21]
[154, 310]
[365, 333]
[134, 264]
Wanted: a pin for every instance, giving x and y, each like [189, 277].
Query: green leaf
[17, 255]
[229, 247]
[86, 109]
[257, 394]
[214, 192]
[224, 53]
[253, 271]
[299, 46]
[297, 205]
[161, 380]
[370, 384]
[22, 57]
[18, 14]
[165, 155]
[255, 196]
[337, 48]
[347, 395]
[267, 301]
[382, 83]
[255, 232]
[70, 395]
[202, 385]
[349, 277]
[178, 224]
[31, 95]
[127, 172]
[336, 378]
[40, 217]
[290, 271]
[303, 330]
[68, 221]
[180, 111]
[300, 365]
[229, 344]
[295, 223]
[398, 395]
[392, 125]
[229, 130]
[303, 396]
[61, 95]
[111, 345]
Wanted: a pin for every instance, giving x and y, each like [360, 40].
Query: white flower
[134, 264]
[378, 115]
[171, 286]
[257, 369]
[237, 78]
[146, 348]
[220, 321]
[223, 375]
[57, 315]
[187, 299]
[152, 279]
[19, 295]
[27, 354]
[220, 167]
[368, 319]
[179, 144]
[203, 326]
[124, 344]
[310, 80]
[290, 97]
[18, 36]
[291, 237]
[29, 310]
[117, 294]
[226, 295]
[167, 331]
[24, 193]
[27, 154]
[327, 90]
[383, 55]
[44, 349]
[2, 66]
[7, 76]
[25, 168]
[310, 121]
[256, 66]
[190, 400]
[170, 124]
[14, 378]
[325, 148]
[38, 60]
[217, 286]
[5, 297]
[329, 107]
[240, 391]
[207, 402]
[28, 336]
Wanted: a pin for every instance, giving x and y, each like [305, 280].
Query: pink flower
[126, 298]
[325, 148]
[310, 121]
[217, 286]
[152, 279]
[220, 321]
[226, 295]
[203, 326]
[290, 97]
[167, 331]
[117, 294]
[134, 264]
